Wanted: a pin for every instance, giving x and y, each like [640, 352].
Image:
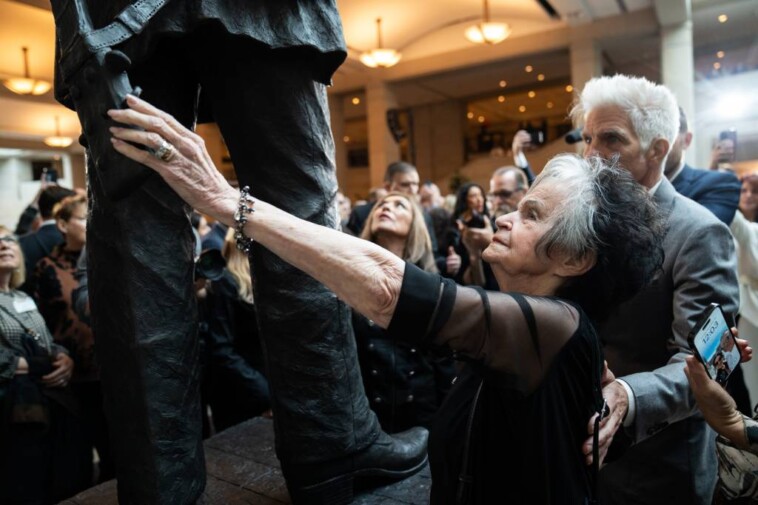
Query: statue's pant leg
[144, 318]
[275, 121]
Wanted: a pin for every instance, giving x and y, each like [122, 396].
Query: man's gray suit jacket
[672, 458]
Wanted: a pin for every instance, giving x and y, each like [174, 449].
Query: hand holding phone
[714, 345]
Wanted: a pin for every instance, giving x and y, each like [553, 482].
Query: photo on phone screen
[715, 346]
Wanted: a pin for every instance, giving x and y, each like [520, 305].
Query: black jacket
[405, 385]
[237, 389]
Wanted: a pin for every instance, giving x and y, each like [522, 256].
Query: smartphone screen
[715, 346]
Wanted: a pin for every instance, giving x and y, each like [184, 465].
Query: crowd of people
[539, 327]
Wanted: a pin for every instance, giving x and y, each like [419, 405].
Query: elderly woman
[584, 238]
[31, 367]
[405, 385]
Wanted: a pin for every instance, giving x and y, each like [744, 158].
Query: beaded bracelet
[244, 208]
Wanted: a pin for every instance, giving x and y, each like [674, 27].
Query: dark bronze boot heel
[337, 491]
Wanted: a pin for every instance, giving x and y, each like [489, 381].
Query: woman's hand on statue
[63, 368]
[177, 154]
[718, 408]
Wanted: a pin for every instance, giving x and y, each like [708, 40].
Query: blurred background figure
[723, 154]
[430, 196]
[405, 385]
[472, 216]
[38, 464]
[54, 282]
[508, 186]
[235, 385]
[745, 230]
[38, 244]
[30, 220]
[343, 209]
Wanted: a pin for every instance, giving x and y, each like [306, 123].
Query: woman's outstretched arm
[364, 275]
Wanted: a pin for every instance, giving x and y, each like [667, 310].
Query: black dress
[534, 387]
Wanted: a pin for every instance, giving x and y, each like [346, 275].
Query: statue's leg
[144, 315]
[275, 121]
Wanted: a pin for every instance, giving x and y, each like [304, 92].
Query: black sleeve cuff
[419, 296]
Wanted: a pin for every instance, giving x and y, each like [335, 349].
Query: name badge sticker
[24, 305]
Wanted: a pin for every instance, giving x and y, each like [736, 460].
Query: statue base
[242, 468]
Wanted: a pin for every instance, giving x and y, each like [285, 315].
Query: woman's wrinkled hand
[185, 165]
[63, 369]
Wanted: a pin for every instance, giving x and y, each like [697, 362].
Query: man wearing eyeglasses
[507, 187]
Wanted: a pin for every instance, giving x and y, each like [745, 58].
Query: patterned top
[53, 283]
[16, 302]
[738, 468]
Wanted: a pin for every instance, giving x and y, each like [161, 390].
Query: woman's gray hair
[573, 232]
[604, 212]
[651, 108]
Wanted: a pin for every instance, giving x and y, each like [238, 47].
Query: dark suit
[718, 192]
[38, 244]
[672, 457]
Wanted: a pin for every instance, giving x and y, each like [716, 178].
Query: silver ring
[165, 151]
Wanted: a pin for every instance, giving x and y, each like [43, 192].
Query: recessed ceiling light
[569, 88]
[522, 108]
[528, 68]
[720, 54]
[480, 119]
[501, 99]
[549, 105]
[723, 18]
[531, 94]
[503, 84]
[716, 65]
[356, 100]
[540, 77]
[470, 115]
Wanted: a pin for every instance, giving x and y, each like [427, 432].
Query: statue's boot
[387, 458]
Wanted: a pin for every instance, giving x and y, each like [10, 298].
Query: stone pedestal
[242, 469]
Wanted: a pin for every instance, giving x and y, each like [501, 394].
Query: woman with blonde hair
[236, 386]
[404, 384]
[34, 463]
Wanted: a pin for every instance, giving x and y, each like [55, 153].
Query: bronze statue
[259, 69]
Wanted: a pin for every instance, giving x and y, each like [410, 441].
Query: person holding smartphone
[738, 449]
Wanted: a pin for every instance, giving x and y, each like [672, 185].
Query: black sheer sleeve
[488, 327]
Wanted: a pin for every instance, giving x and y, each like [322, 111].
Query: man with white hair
[671, 456]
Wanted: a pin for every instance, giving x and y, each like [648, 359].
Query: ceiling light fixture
[723, 18]
[487, 32]
[57, 140]
[381, 56]
[26, 85]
